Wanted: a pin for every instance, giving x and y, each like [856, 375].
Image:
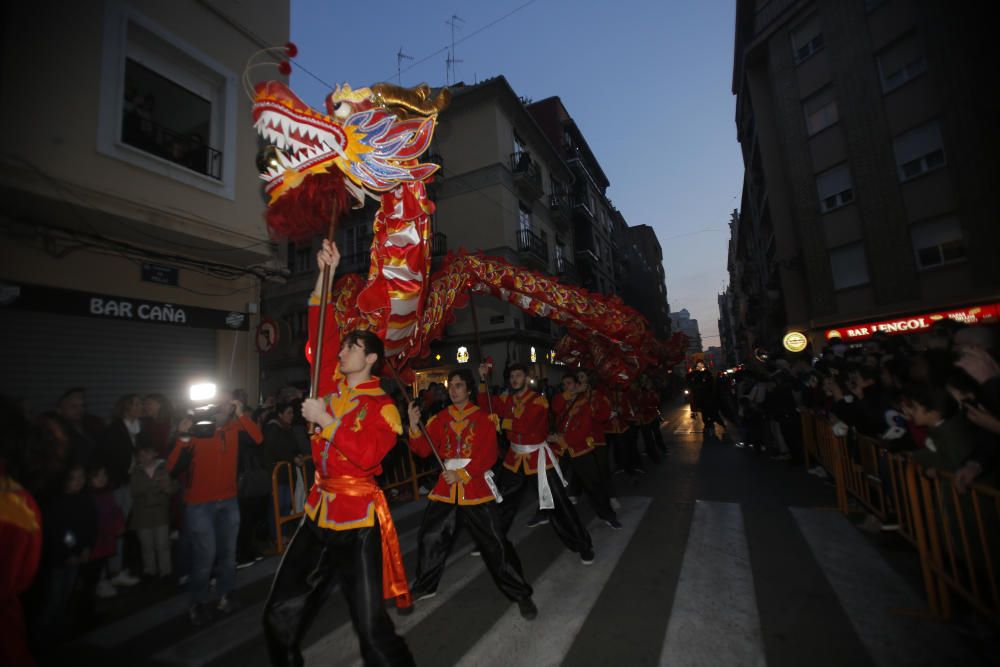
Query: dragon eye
[341, 109]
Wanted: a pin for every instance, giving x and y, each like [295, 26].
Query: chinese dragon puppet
[367, 143]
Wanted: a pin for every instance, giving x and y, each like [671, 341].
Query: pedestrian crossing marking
[867, 588]
[563, 593]
[341, 645]
[714, 618]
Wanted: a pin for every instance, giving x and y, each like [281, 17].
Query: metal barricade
[963, 541]
[280, 520]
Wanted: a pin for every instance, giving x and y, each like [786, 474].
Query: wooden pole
[420, 425]
[324, 296]
[479, 346]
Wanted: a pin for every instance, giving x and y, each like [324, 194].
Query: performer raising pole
[347, 535]
[466, 439]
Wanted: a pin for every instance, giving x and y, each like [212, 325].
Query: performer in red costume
[580, 416]
[466, 441]
[347, 534]
[524, 415]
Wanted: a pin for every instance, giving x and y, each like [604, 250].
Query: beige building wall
[72, 189]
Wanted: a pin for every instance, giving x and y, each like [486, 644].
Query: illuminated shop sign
[795, 341]
[988, 313]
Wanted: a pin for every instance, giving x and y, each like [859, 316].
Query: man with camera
[209, 451]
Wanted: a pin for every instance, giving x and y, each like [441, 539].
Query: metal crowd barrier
[956, 535]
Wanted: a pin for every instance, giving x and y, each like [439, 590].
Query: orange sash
[393, 575]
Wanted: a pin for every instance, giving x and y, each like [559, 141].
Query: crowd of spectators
[142, 505]
[935, 396]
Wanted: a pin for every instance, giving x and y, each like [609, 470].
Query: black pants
[315, 559]
[437, 535]
[563, 516]
[587, 473]
[653, 440]
[603, 457]
[626, 446]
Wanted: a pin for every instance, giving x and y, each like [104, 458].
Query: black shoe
[614, 524]
[417, 596]
[245, 563]
[538, 520]
[587, 557]
[228, 604]
[528, 609]
[199, 615]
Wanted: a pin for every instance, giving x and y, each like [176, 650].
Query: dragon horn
[415, 100]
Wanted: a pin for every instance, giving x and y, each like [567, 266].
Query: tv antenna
[450, 61]
[400, 57]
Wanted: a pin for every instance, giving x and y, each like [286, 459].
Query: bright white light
[203, 391]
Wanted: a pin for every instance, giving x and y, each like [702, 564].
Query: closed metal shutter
[43, 354]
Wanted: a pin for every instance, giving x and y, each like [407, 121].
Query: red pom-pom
[291, 49]
[304, 212]
[285, 68]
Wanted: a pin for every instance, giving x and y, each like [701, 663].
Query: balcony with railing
[187, 150]
[533, 247]
[560, 208]
[564, 267]
[527, 174]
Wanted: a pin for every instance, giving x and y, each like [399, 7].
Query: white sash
[544, 492]
[458, 464]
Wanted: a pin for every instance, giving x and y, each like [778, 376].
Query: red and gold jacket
[525, 418]
[649, 405]
[21, 537]
[573, 423]
[621, 404]
[366, 425]
[468, 433]
[600, 420]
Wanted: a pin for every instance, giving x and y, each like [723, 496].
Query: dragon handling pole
[323, 298]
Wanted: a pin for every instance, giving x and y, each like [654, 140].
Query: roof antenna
[450, 61]
[400, 57]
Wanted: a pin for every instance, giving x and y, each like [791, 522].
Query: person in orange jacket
[211, 509]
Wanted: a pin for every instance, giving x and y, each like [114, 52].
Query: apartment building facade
[134, 245]
[868, 136]
[643, 283]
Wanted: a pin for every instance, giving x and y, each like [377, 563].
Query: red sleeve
[175, 452]
[418, 443]
[250, 426]
[331, 346]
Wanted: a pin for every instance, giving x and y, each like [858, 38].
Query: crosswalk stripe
[341, 645]
[868, 588]
[714, 619]
[563, 593]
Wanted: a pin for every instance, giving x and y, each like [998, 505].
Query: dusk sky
[648, 83]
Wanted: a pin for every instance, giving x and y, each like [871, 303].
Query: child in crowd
[69, 526]
[151, 488]
[110, 526]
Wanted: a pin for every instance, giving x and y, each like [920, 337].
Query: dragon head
[369, 137]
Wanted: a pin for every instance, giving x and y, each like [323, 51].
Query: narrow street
[726, 558]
